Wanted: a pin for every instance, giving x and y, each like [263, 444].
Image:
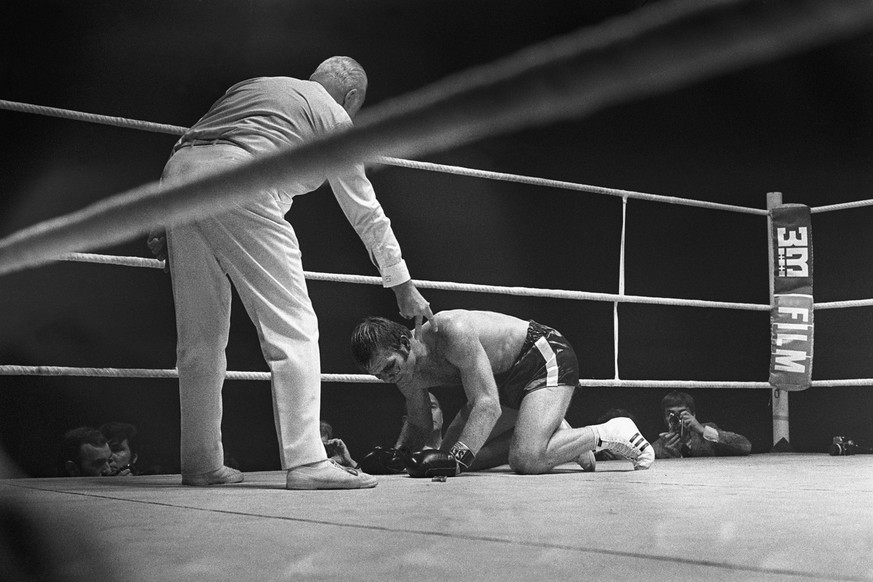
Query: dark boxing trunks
[545, 359]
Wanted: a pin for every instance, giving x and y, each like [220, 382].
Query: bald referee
[252, 247]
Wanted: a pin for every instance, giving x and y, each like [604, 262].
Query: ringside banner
[791, 315]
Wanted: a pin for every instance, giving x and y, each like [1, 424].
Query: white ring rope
[398, 162]
[113, 260]
[427, 166]
[621, 282]
[91, 117]
[682, 384]
[524, 291]
[545, 182]
[13, 370]
[842, 206]
[845, 304]
[450, 286]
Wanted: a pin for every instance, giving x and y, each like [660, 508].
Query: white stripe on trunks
[551, 359]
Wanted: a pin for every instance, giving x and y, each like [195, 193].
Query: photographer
[686, 437]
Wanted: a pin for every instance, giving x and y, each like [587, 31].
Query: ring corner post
[778, 397]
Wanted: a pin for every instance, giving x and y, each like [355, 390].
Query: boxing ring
[780, 396]
[759, 518]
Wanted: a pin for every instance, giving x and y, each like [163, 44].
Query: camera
[845, 446]
[675, 423]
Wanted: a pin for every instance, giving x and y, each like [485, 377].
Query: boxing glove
[431, 463]
[384, 461]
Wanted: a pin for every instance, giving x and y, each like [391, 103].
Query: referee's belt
[205, 142]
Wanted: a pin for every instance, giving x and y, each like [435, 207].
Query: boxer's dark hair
[374, 333]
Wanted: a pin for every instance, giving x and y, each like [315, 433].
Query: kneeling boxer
[519, 377]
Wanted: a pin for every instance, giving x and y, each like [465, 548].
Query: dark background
[801, 126]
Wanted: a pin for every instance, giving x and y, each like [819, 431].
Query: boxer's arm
[465, 351]
[418, 421]
[412, 437]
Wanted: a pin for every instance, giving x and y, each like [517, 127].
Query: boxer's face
[391, 366]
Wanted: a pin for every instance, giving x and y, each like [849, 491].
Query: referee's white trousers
[255, 248]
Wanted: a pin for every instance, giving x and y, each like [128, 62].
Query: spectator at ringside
[85, 453]
[687, 437]
[122, 442]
